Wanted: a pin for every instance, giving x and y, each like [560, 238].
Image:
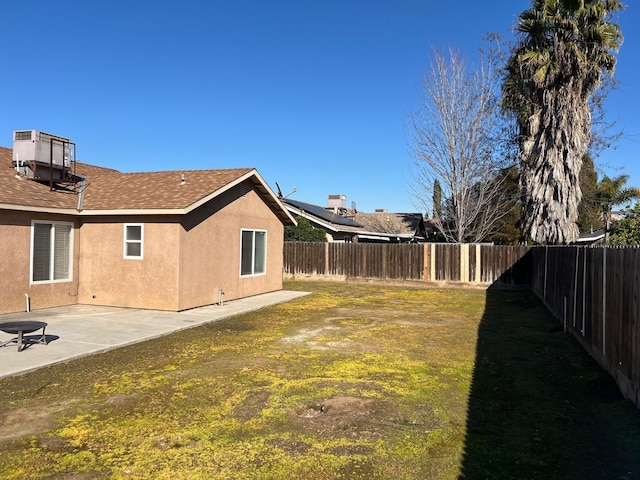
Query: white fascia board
[133, 211]
[373, 237]
[386, 235]
[237, 181]
[590, 239]
[28, 208]
[273, 196]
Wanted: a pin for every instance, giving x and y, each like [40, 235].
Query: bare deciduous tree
[455, 139]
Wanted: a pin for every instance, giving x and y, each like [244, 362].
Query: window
[133, 236]
[253, 252]
[51, 251]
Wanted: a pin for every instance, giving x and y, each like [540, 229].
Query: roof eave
[38, 209]
[268, 195]
[279, 208]
[386, 235]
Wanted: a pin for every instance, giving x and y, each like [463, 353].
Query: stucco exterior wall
[15, 244]
[210, 249]
[186, 259]
[107, 278]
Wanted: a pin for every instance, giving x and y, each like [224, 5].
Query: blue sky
[312, 93]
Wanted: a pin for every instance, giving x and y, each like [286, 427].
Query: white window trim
[125, 241]
[253, 253]
[52, 259]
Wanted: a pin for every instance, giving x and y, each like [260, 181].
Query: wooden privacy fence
[498, 265]
[464, 263]
[595, 292]
[355, 260]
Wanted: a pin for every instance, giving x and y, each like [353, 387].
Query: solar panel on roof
[323, 213]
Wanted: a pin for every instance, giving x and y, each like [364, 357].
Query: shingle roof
[110, 190]
[17, 190]
[395, 223]
[381, 226]
[155, 190]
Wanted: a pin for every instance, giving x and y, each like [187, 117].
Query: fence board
[355, 260]
[496, 265]
[598, 289]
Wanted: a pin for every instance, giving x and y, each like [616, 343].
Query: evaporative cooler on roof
[42, 156]
[42, 148]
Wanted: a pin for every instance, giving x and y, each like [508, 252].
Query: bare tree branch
[455, 136]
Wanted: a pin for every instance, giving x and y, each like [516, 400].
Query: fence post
[604, 302]
[425, 262]
[478, 278]
[544, 287]
[464, 262]
[432, 261]
[326, 258]
[584, 291]
[575, 288]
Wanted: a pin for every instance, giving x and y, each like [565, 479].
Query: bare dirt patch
[21, 422]
[121, 399]
[333, 333]
[341, 412]
[252, 406]
[390, 315]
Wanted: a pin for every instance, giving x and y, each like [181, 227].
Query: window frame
[126, 241]
[253, 272]
[53, 225]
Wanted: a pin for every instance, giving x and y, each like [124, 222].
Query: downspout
[28, 301]
[81, 193]
[83, 185]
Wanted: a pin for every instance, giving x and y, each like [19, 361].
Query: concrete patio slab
[78, 330]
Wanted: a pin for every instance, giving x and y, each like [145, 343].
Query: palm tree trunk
[551, 156]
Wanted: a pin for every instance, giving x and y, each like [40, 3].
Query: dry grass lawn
[356, 381]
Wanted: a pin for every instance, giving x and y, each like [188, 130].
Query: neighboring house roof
[367, 226]
[393, 223]
[322, 213]
[592, 237]
[107, 191]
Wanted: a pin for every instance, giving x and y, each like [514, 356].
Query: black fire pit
[20, 328]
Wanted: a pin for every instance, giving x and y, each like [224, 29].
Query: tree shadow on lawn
[540, 406]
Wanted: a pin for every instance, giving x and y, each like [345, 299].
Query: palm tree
[612, 192]
[590, 209]
[565, 49]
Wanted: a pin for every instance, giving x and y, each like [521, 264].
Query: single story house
[349, 225]
[74, 233]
